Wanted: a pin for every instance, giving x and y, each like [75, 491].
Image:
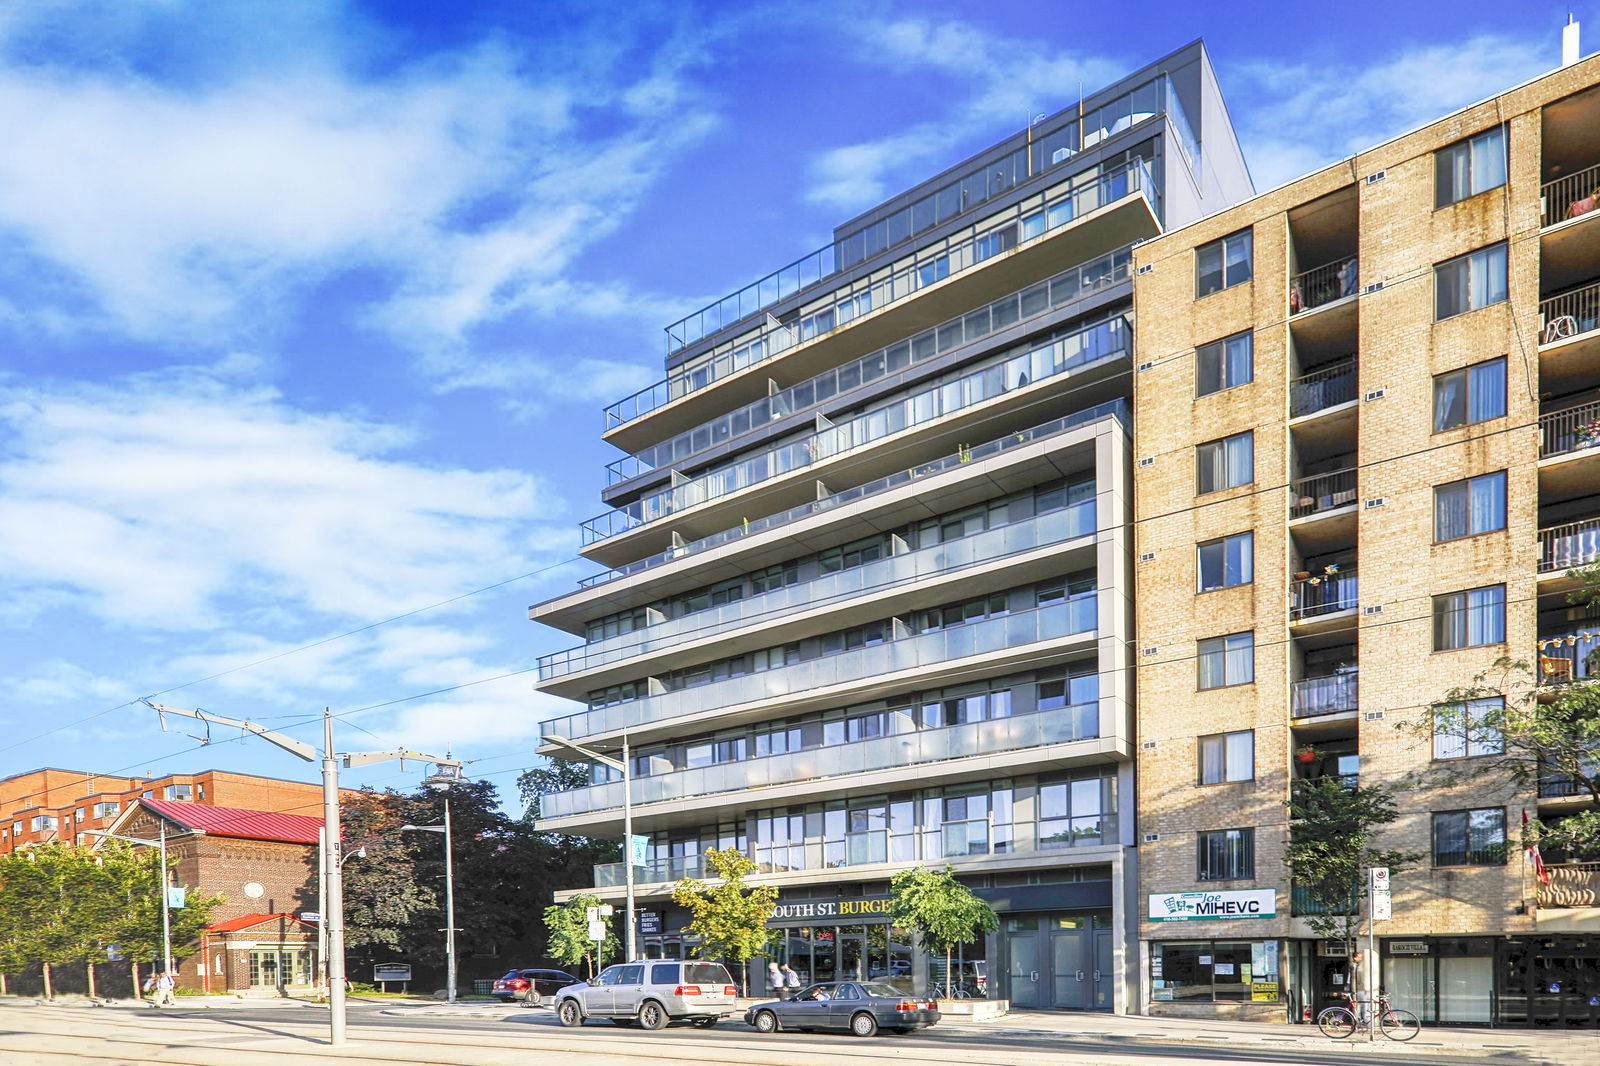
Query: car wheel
[864, 1024]
[766, 1022]
[570, 1013]
[652, 1015]
[704, 1023]
[532, 999]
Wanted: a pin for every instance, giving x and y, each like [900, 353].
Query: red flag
[1539, 870]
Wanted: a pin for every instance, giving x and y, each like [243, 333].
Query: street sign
[114, 952]
[1378, 887]
[175, 897]
[597, 930]
[1380, 877]
[592, 913]
[639, 849]
[310, 916]
[391, 971]
[607, 910]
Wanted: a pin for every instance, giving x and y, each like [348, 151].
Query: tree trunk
[949, 977]
[2, 984]
[136, 989]
[90, 967]
[49, 990]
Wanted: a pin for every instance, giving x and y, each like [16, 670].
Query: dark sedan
[532, 987]
[861, 1007]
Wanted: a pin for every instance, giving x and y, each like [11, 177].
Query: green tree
[568, 941]
[1514, 733]
[730, 917]
[130, 876]
[1331, 830]
[943, 910]
[384, 899]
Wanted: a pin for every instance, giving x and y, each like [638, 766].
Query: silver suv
[650, 993]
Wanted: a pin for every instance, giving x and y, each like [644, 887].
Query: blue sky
[308, 310]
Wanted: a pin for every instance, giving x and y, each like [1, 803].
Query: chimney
[1569, 42]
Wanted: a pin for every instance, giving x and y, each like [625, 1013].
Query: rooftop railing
[1324, 284]
[952, 256]
[1569, 545]
[1056, 527]
[1073, 617]
[1569, 196]
[1323, 594]
[916, 748]
[1571, 430]
[1322, 492]
[1569, 314]
[1117, 409]
[1317, 696]
[1092, 344]
[1326, 387]
[1001, 314]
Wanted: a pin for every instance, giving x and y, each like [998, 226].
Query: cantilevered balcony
[908, 659]
[1568, 545]
[1568, 656]
[1326, 387]
[825, 769]
[1322, 494]
[856, 586]
[1317, 697]
[1325, 284]
[1323, 601]
[1096, 209]
[705, 503]
[1569, 452]
[1569, 314]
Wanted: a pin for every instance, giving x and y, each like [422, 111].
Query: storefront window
[1215, 971]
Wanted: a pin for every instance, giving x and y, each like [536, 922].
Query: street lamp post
[627, 816]
[333, 912]
[166, 918]
[441, 780]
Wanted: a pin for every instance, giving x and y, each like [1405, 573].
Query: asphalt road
[58, 1036]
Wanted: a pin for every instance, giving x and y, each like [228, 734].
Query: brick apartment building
[1360, 478]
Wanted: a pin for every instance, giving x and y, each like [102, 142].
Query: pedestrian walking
[164, 996]
[791, 982]
[774, 980]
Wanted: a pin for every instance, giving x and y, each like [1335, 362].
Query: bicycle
[1340, 1022]
[938, 991]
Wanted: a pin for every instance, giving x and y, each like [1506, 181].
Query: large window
[1225, 463]
[1224, 364]
[1469, 507]
[1475, 393]
[1470, 281]
[1470, 838]
[1227, 757]
[1469, 167]
[1463, 730]
[1469, 619]
[1229, 660]
[1227, 855]
[1227, 561]
[1222, 264]
[1213, 971]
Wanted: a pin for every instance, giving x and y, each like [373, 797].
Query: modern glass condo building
[867, 599]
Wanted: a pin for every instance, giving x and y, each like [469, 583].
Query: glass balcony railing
[1117, 409]
[1324, 388]
[917, 748]
[960, 252]
[1569, 656]
[1317, 696]
[1324, 284]
[1571, 430]
[1052, 622]
[1564, 198]
[1569, 545]
[1324, 492]
[656, 871]
[1001, 314]
[1569, 314]
[1323, 594]
[1056, 527]
[1100, 342]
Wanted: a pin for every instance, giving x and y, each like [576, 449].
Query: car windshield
[878, 988]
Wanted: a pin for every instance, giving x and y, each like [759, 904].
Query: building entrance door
[1074, 953]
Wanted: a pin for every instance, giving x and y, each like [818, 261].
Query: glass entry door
[1022, 962]
[1060, 961]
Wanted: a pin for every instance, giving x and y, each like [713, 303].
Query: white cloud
[171, 501]
[1295, 118]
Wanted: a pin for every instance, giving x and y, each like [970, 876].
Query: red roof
[249, 921]
[235, 822]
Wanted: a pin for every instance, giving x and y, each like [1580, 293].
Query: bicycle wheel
[1337, 1022]
[1399, 1024]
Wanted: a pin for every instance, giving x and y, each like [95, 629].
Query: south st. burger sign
[840, 908]
[1199, 906]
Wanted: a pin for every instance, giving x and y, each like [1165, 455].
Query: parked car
[532, 987]
[650, 993]
[861, 1007]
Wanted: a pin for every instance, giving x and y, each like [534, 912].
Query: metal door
[1071, 963]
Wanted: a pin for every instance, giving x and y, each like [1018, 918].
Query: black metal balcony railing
[1568, 656]
[1324, 284]
[1569, 314]
[1324, 388]
[1571, 430]
[1572, 884]
[1556, 787]
[1324, 492]
[1569, 196]
[1326, 593]
[1317, 696]
[1568, 545]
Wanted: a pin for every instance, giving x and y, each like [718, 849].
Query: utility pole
[624, 767]
[166, 916]
[333, 912]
